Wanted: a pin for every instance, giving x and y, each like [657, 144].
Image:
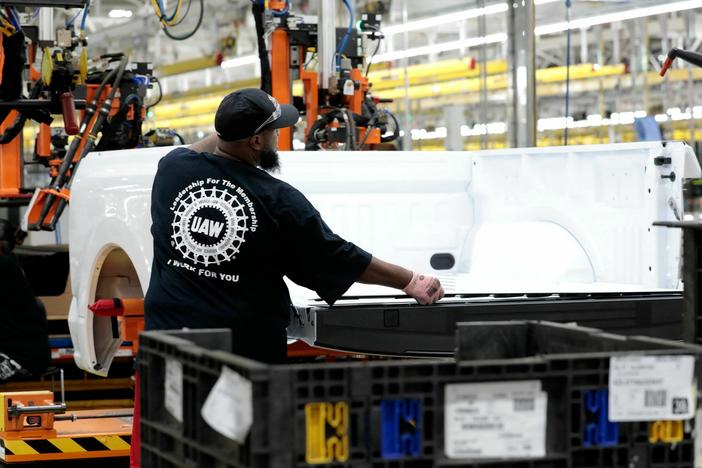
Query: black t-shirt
[24, 332]
[225, 234]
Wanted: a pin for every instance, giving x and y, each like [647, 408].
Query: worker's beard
[268, 160]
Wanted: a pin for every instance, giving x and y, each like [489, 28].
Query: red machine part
[10, 162]
[68, 109]
[130, 313]
[666, 65]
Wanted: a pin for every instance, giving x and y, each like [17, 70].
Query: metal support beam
[454, 118]
[46, 25]
[601, 99]
[327, 41]
[482, 32]
[463, 34]
[691, 30]
[600, 54]
[667, 91]
[645, 53]
[616, 42]
[521, 22]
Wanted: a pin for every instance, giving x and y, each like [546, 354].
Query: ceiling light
[119, 13]
[584, 23]
[445, 19]
[442, 47]
[539, 30]
[561, 26]
[240, 61]
[453, 17]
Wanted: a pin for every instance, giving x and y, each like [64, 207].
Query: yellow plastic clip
[669, 432]
[47, 66]
[7, 28]
[321, 446]
[83, 74]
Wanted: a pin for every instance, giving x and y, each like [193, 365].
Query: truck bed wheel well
[115, 277]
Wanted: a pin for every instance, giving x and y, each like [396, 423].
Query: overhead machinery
[338, 106]
[102, 104]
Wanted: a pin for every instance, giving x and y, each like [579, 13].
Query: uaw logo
[210, 221]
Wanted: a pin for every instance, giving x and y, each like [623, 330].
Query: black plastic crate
[691, 272]
[579, 358]
[396, 408]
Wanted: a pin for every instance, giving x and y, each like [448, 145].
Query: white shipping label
[228, 408]
[651, 388]
[495, 420]
[174, 389]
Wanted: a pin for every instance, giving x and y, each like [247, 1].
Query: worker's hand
[424, 288]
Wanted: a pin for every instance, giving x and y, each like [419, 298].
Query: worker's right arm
[424, 288]
[320, 260]
[385, 274]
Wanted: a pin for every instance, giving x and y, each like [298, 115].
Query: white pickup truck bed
[539, 220]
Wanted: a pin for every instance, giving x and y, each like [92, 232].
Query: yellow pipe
[218, 90]
[193, 107]
[449, 95]
[578, 72]
[187, 122]
[441, 71]
[382, 79]
[202, 63]
[423, 69]
[394, 88]
[186, 66]
[497, 82]
[209, 104]
[500, 82]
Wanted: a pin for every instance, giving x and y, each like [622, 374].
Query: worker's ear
[256, 142]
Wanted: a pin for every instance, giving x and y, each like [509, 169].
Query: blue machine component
[648, 129]
[602, 433]
[401, 428]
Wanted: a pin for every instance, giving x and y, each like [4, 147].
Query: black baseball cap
[249, 111]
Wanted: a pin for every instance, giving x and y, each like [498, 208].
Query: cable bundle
[85, 10]
[176, 18]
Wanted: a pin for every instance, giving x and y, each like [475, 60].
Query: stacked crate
[518, 394]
